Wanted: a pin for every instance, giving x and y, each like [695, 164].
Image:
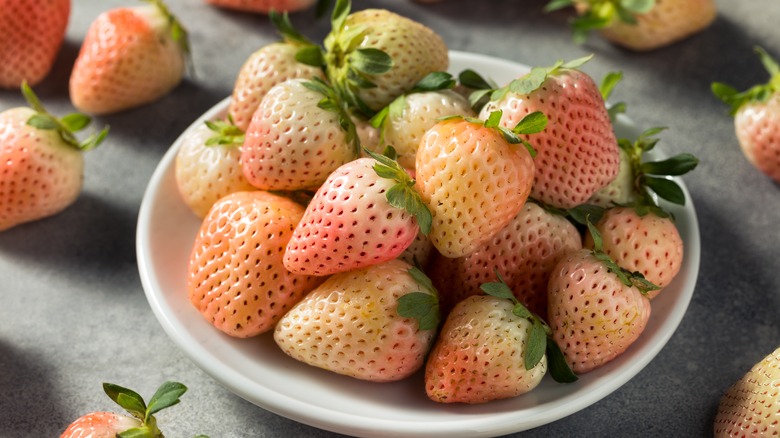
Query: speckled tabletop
[74, 313]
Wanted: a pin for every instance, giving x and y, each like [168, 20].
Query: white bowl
[258, 371]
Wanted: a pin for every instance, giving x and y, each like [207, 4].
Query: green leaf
[136, 432]
[32, 98]
[167, 395]
[494, 119]
[43, 121]
[371, 61]
[676, 165]
[638, 6]
[609, 82]
[435, 81]
[340, 14]
[769, 63]
[310, 55]
[577, 63]
[402, 195]
[598, 243]
[478, 98]
[94, 140]
[665, 188]
[75, 122]
[420, 306]
[285, 28]
[532, 123]
[535, 345]
[473, 80]
[530, 82]
[555, 5]
[498, 289]
[379, 119]
[556, 361]
[585, 213]
[128, 399]
[640, 282]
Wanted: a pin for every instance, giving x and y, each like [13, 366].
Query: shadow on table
[29, 405]
[91, 234]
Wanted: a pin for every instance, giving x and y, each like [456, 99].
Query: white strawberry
[373, 56]
[42, 162]
[297, 137]
[207, 165]
[365, 213]
[352, 324]
[403, 123]
[272, 64]
[596, 310]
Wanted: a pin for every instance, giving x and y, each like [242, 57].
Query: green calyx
[484, 90]
[332, 101]
[599, 14]
[349, 66]
[432, 82]
[226, 133]
[421, 306]
[402, 195]
[178, 32]
[532, 123]
[758, 93]
[651, 177]
[66, 126]
[308, 52]
[630, 279]
[166, 396]
[539, 339]
[607, 86]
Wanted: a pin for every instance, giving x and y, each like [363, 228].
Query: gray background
[73, 313]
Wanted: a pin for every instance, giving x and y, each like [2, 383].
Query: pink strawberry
[263, 6]
[31, 34]
[42, 166]
[577, 154]
[208, 167]
[270, 65]
[352, 324]
[365, 213]
[373, 56]
[474, 179]
[141, 421]
[130, 57]
[640, 26]
[523, 253]
[646, 243]
[403, 123]
[756, 114]
[295, 139]
[491, 347]
[596, 310]
[236, 278]
[751, 406]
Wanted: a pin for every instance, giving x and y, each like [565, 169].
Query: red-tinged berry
[31, 35]
[236, 278]
[130, 57]
[577, 153]
[42, 166]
